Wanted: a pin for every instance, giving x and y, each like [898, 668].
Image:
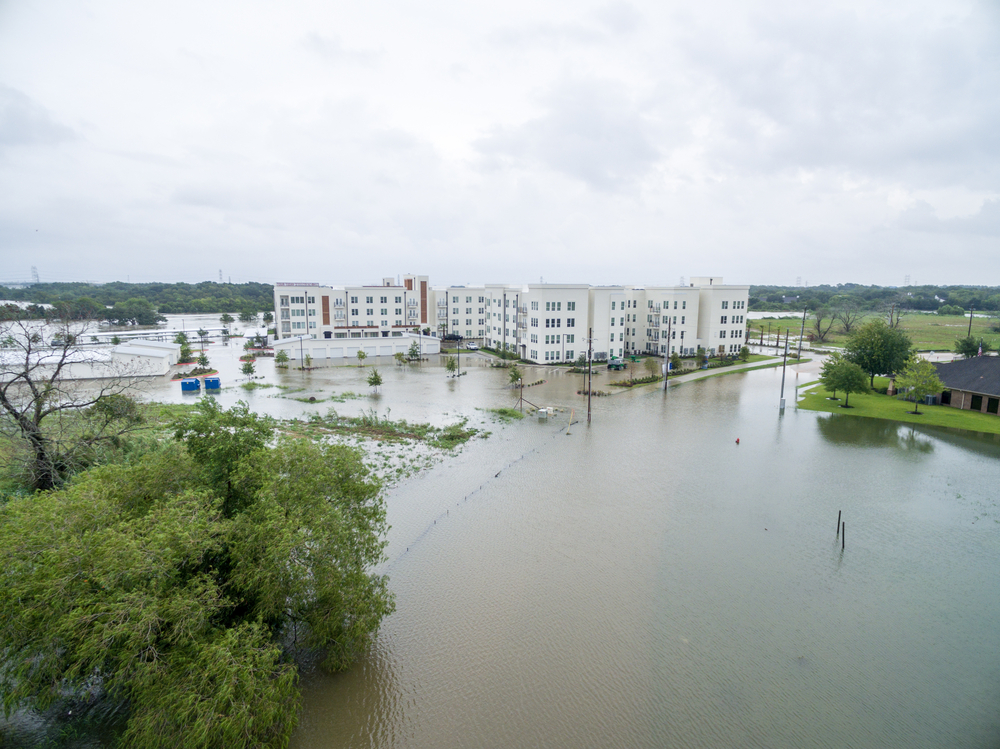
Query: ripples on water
[645, 582]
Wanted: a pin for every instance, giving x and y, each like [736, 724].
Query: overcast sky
[590, 142]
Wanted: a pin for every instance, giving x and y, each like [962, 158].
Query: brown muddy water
[646, 582]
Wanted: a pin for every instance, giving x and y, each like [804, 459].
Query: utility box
[213, 383]
[190, 385]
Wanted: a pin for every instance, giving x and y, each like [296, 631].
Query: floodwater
[647, 582]
[644, 581]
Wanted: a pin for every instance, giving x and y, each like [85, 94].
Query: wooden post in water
[838, 521]
[843, 535]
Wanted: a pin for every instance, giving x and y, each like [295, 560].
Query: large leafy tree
[53, 425]
[850, 378]
[920, 378]
[968, 346]
[174, 584]
[878, 349]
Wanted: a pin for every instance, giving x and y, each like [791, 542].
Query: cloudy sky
[600, 142]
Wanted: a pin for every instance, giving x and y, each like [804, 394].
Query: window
[286, 327]
[354, 300]
[722, 334]
[468, 322]
[454, 300]
[723, 321]
[454, 310]
[312, 324]
[977, 403]
[312, 313]
[283, 301]
[612, 305]
[468, 310]
[399, 310]
[684, 305]
[312, 300]
[534, 322]
[570, 322]
[683, 318]
[383, 311]
[534, 354]
[399, 300]
[571, 306]
[369, 312]
[570, 338]
[534, 337]
[675, 305]
[725, 305]
[368, 300]
[534, 305]
[285, 314]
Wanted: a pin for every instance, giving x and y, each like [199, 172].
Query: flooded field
[645, 581]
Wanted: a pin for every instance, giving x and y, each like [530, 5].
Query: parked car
[473, 347]
[615, 363]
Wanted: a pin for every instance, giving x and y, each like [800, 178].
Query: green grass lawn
[927, 331]
[887, 407]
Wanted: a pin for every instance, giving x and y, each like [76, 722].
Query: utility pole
[802, 334]
[590, 369]
[971, 310]
[785, 361]
[666, 363]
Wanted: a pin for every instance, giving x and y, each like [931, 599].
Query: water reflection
[855, 431]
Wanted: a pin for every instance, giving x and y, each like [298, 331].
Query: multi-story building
[539, 322]
[351, 311]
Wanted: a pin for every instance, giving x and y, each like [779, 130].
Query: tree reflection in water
[853, 431]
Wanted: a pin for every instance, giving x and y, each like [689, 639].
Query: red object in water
[737, 440]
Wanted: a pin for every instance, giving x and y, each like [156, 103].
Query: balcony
[337, 303]
[442, 315]
[442, 303]
[411, 302]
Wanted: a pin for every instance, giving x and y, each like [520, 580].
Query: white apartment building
[347, 312]
[539, 322]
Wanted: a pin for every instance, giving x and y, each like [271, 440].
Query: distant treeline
[928, 298]
[207, 297]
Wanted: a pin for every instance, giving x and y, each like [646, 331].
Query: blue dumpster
[190, 385]
[213, 383]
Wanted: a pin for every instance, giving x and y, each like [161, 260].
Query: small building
[971, 384]
[344, 350]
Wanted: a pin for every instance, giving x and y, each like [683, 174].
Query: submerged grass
[505, 414]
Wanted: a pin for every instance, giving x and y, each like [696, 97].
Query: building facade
[538, 322]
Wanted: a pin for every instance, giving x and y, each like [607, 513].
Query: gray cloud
[921, 217]
[25, 122]
[591, 131]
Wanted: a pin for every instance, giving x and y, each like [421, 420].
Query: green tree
[852, 379]
[969, 346]
[920, 378]
[55, 426]
[134, 311]
[514, 375]
[414, 352]
[203, 360]
[675, 361]
[652, 366]
[142, 580]
[878, 349]
[745, 354]
[227, 319]
[248, 369]
[829, 373]
[281, 358]
[248, 314]
[950, 309]
[374, 379]
[450, 364]
[308, 361]
[268, 317]
[361, 357]
[400, 357]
